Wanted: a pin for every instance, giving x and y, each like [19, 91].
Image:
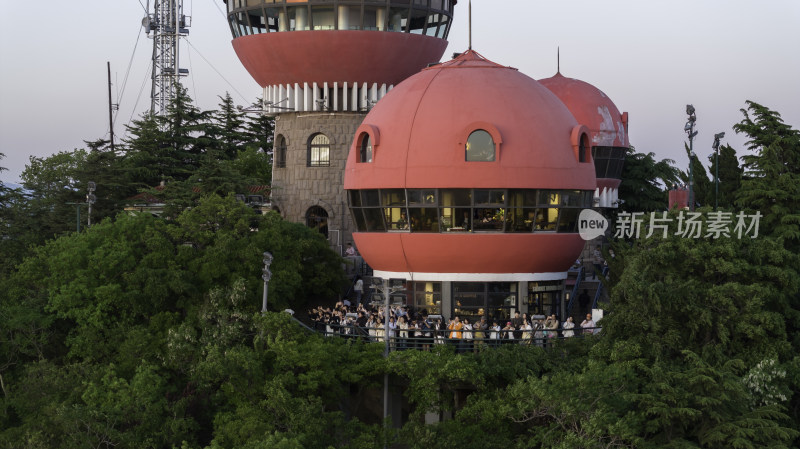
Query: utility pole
[715, 146]
[110, 107]
[689, 128]
[387, 287]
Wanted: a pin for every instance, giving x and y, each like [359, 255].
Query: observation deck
[336, 55]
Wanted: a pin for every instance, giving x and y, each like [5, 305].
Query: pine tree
[643, 181]
[772, 174]
[730, 176]
[702, 187]
[228, 129]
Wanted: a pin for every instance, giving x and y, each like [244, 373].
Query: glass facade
[608, 161]
[428, 296]
[467, 210]
[494, 300]
[428, 17]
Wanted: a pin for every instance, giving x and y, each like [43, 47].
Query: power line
[215, 69]
[128, 71]
[191, 70]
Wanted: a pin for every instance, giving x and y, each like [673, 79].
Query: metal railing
[424, 339]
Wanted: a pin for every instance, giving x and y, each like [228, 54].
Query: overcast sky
[650, 57]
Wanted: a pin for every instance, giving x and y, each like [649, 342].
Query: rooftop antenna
[558, 59]
[470, 24]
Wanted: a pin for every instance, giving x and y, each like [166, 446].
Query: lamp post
[689, 128]
[387, 287]
[715, 146]
[266, 276]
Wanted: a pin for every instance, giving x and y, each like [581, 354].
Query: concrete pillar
[380, 18]
[344, 17]
[301, 18]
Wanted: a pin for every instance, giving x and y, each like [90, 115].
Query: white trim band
[471, 277]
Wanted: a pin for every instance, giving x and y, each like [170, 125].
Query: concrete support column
[344, 17]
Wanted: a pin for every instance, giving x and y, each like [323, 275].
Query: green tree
[730, 176]
[703, 189]
[227, 129]
[772, 174]
[644, 180]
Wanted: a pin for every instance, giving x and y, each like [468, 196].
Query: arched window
[319, 151]
[480, 147]
[583, 148]
[365, 150]
[280, 152]
[317, 218]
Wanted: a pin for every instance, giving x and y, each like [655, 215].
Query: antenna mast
[470, 24]
[168, 24]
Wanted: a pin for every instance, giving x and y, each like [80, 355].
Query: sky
[652, 58]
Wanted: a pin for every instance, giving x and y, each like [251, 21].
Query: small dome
[420, 129]
[593, 108]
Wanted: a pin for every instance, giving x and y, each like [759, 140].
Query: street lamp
[715, 146]
[689, 128]
[266, 276]
[388, 287]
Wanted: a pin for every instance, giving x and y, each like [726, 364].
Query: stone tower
[323, 64]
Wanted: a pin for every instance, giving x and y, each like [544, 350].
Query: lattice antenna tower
[168, 25]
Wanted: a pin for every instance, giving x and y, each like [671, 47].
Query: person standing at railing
[538, 332]
[402, 333]
[588, 325]
[480, 332]
[494, 335]
[439, 332]
[508, 332]
[426, 336]
[466, 342]
[552, 327]
[527, 335]
[568, 326]
[359, 289]
[517, 323]
[455, 326]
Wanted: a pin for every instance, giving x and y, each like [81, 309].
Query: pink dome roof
[593, 108]
[419, 130]
[418, 133]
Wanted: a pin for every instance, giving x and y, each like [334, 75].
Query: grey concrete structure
[300, 184]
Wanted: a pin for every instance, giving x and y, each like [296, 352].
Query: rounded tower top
[469, 171]
[593, 108]
[425, 126]
[367, 41]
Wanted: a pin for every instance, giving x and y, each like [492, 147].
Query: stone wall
[298, 187]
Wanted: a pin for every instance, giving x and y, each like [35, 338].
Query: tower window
[280, 152]
[365, 150]
[583, 148]
[480, 147]
[319, 151]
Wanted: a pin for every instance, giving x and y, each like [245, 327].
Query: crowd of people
[416, 329]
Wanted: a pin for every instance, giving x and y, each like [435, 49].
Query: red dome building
[608, 130]
[467, 180]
